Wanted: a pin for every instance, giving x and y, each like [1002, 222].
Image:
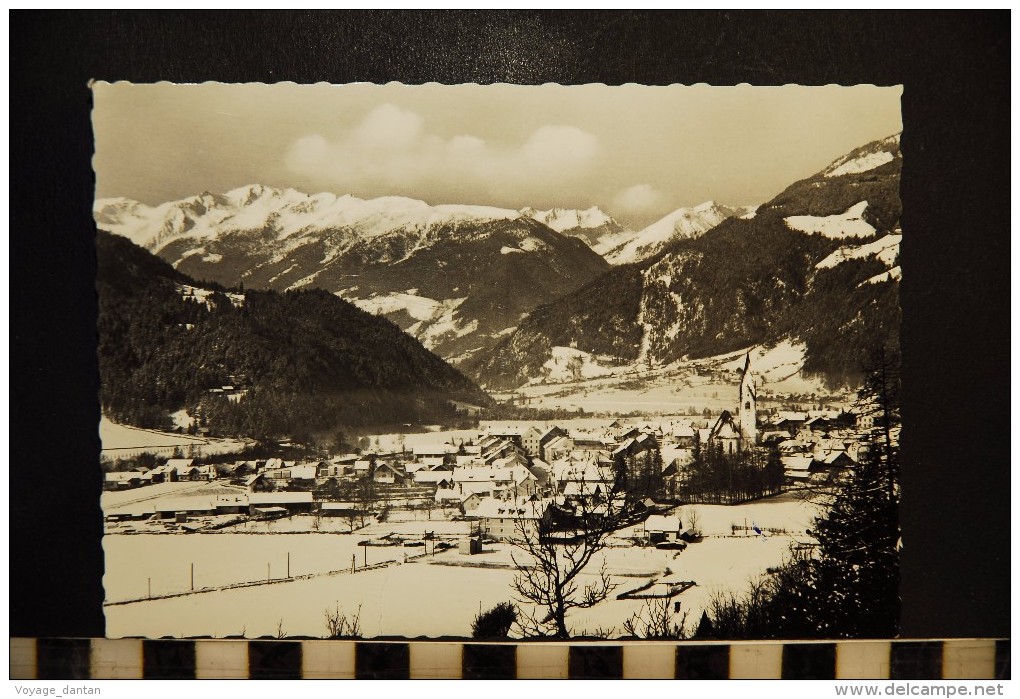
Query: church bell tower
[747, 410]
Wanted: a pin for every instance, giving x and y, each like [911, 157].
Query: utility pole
[192, 577]
[353, 562]
[288, 564]
[150, 588]
[268, 574]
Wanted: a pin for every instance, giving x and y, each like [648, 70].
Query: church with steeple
[739, 433]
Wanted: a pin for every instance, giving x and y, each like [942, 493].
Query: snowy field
[699, 384]
[435, 596]
[123, 441]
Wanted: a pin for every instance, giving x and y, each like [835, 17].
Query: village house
[684, 435]
[433, 451]
[447, 497]
[547, 436]
[442, 478]
[261, 503]
[502, 483]
[124, 480]
[387, 473]
[302, 476]
[659, 528]
[510, 520]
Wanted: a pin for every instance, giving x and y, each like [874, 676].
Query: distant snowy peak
[281, 212]
[561, 220]
[687, 222]
[865, 159]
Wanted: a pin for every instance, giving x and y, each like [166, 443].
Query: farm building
[662, 528]
[292, 502]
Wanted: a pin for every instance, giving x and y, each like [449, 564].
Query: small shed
[470, 547]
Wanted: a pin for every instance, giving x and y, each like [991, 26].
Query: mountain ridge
[749, 280]
[307, 360]
[456, 276]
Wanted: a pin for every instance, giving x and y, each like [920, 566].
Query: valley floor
[413, 593]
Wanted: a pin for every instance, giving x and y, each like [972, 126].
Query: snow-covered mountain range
[683, 224]
[458, 277]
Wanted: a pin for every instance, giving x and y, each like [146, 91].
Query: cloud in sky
[639, 200]
[510, 146]
[392, 148]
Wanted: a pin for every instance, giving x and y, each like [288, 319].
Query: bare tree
[693, 522]
[655, 620]
[552, 553]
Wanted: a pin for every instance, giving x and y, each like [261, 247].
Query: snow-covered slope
[284, 213]
[561, 220]
[815, 267]
[849, 224]
[689, 222]
[593, 226]
[885, 249]
[435, 270]
[864, 159]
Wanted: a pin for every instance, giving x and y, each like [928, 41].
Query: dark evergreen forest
[308, 360]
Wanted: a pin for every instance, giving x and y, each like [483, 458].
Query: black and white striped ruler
[295, 659]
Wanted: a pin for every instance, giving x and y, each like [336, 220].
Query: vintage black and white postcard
[499, 361]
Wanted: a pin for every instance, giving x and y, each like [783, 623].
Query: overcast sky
[637, 152]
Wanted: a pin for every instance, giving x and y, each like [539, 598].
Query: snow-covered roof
[684, 429]
[680, 455]
[797, 462]
[662, 523]
[424, 476]
[179, 463]
[520, 509]
[279, 498]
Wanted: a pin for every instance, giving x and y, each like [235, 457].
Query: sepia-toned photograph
[499, 362]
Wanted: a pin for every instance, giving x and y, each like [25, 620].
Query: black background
[955, 291]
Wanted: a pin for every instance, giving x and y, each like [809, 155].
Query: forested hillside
[307, 360]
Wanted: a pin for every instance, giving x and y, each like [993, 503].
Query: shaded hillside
[308, 360]
[817, 264]
[456, 277]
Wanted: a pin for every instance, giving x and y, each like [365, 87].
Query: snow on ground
[146, 497]
[587, 366]
[791, 511]
[848, 224]
[181, 419]
[566, 219]
[886, 249]
[675, 388]
[893, 274]
[437, 595]
[772, 364]
[288, 213]
[687, 222]
[123, 441]
[862, 163]
[203, 295]
[531, 244]
[418, 307]
[508, 251]
[436, 319]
